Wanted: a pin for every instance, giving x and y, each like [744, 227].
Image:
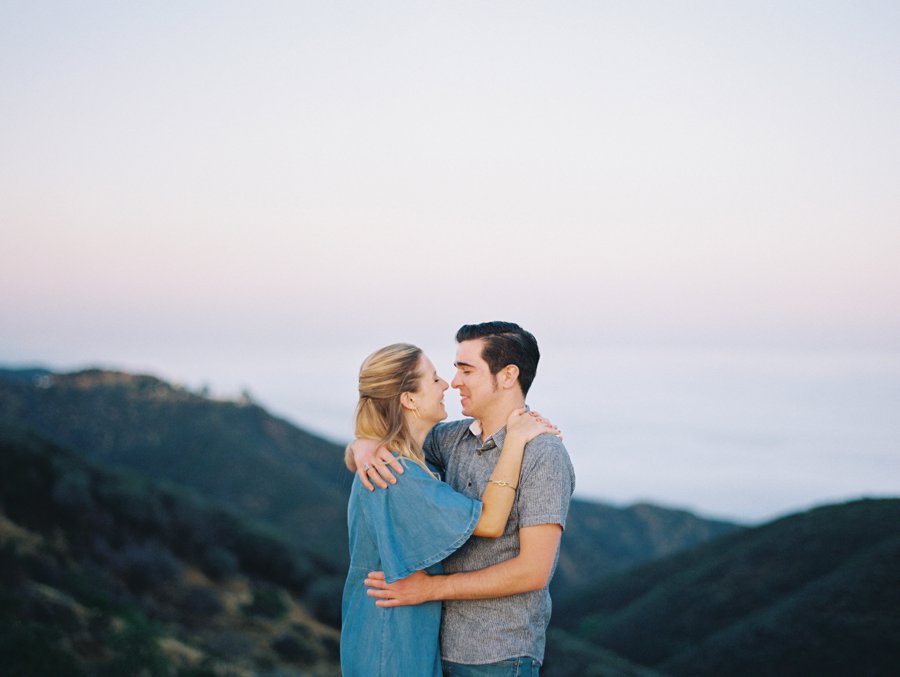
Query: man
[496, 601]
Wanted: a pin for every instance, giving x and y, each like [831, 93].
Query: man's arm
[529, 570]
[373, 463]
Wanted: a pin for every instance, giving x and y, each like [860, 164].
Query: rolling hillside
[184, 535]
[234, 452]
[105, 573]
[601, 539]
[811, 594]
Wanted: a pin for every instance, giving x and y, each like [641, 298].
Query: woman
[418, 521]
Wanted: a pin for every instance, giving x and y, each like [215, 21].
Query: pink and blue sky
[194, 184]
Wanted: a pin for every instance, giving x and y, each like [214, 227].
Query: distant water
[736, 434]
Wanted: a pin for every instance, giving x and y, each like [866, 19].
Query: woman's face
[429, 398]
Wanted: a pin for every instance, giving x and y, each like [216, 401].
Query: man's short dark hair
[505, 343]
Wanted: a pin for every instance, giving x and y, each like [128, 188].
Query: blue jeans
[523, 666]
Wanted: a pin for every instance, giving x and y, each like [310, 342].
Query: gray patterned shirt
[491, 630]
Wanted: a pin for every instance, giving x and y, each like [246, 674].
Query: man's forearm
[527, 571]
[500, 580]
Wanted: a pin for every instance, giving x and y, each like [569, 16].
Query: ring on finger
[366, 467]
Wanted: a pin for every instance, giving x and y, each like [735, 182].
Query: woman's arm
[500, 493]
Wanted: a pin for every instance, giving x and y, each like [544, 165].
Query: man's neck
[495, 420]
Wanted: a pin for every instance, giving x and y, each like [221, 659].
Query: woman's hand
[374, 463]
[526, 425]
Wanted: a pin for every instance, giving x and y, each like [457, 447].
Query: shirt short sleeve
[418, 521]
[433, 450]
[546, 483]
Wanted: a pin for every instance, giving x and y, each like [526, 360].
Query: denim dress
[412, 525]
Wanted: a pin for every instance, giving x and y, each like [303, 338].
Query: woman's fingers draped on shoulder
[534, 424]
[530, 424]
[546, 422]
[547, 426]
[524, 423]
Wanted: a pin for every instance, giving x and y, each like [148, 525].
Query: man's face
[476, 385]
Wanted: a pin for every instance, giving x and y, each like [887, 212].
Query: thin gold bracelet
[503, 483]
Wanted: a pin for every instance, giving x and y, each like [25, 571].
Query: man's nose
[456, 383]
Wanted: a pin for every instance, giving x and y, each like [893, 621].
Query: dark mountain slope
[602, 539]
[233, 452]
[816, 593]
[105, 573]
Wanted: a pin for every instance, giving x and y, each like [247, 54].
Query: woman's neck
[418, 429]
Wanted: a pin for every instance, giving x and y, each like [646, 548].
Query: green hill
[601, 540]
[812, 594]
[230, 452]
[106, 573]
[198, 537]
[233, 452]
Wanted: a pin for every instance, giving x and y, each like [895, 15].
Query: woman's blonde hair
[384, 376]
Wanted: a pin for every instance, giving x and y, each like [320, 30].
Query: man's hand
[414, 589]
[374, 464]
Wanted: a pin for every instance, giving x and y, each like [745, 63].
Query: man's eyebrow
[463, 364]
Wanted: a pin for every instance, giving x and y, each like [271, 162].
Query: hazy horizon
[747, 436]
[207, 191]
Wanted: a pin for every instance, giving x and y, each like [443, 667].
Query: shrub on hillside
[267, 601]
[296, 648]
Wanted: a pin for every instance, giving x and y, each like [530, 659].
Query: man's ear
[508, 376]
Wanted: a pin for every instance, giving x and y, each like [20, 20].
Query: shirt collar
[495, 440]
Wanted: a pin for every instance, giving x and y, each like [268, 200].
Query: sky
[186, 187]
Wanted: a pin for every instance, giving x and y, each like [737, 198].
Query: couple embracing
[470, 518]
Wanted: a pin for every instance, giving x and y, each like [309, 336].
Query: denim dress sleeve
[418, 521]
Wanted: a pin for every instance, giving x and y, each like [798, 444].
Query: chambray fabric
[492, 630]
[412, 525]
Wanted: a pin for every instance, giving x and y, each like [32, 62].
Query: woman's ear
[407, 401]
